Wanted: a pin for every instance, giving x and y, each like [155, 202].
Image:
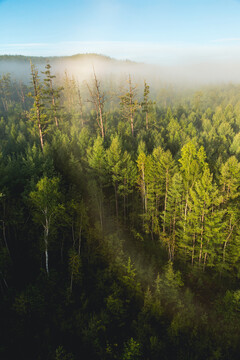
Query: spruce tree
[51, 95]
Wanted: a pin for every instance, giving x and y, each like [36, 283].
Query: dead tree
[97, 98]
[129, 104]
[37, 96]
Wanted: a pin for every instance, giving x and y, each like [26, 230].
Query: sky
[166, 32]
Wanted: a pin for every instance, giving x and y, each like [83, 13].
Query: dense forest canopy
[119, 218]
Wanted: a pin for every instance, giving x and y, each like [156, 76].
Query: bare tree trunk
[173, 235]
[202, 229]
[193, 249]
[21, 94]
[79, 241]
[53, 104]
[37, 102]
[80, 105]
[165, 201]
[124, 209]
[98, 100]
[46, 232]
[100, 103]
[4, 280]
[131, 104]
[205, 260]
[4, 237]
[71, 282]
[99, 202]
[132, 125]
[116, 199]
[185, 210]
[73, 235]
[39, 126]
[146, 120]
[143, 191]
[226, 241]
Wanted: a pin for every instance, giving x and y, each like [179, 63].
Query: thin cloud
[148, 52]
[26, 45]
[226, 40]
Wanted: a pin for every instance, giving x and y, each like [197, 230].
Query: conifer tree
[142, 164]
[193, 163]
[74, 266]
[154, 188]
[98, 170]
[97, 98]
[173, 214]
[114, 154]
[146, 103]
[129, 104]
[230, 190]
[69, 92]
[128, 174]
[204, 220]
[159, 172]
[37, 111]
[51, 94]
[5, 90]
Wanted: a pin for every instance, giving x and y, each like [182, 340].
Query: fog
[81, 67]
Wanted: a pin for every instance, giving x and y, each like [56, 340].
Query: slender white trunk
[46, 232]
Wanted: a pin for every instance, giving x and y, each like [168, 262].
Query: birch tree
[46, 201]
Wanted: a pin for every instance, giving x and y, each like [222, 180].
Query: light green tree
[230, 189]
[173, 214]
[142, 179]
[47, 206]
[202, 235]
[98, 172]
[114, 154]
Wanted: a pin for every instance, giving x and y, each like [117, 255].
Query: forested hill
[119, 219]
[42, 59]
[79, 65]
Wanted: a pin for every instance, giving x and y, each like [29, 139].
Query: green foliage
[46, 199]
[170, 283]
[74, 264]
[129, 277]
[51, 96]
[61, 354]
[110, 213]
[132, 350]
[97, 159]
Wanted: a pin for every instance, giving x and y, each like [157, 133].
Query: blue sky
[165, 32]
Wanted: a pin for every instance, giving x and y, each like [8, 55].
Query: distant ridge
[44, 59]
[79, 65]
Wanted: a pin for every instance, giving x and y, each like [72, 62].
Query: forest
[119, 219]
